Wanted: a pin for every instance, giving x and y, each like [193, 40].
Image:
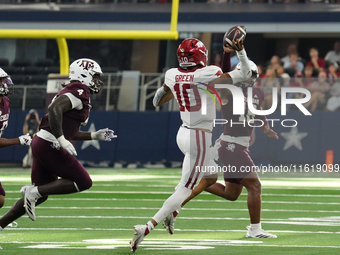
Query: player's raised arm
[244, 73]
[162, 96]
[226, 59]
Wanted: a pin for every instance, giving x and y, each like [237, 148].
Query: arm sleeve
[159, 93]
[226, 64]
[244, 72]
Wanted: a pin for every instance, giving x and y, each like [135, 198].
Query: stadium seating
[38, 79]
[4, 62]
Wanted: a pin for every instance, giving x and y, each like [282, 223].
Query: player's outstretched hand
[66, 145]
[104, 134]
[237, 45]
[25, 139]
[227, 49]
[271, 133]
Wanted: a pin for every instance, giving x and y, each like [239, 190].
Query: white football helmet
[88, 72]
[5, 83]
[254, 75]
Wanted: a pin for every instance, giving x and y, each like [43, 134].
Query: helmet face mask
[192, 52]
[88, 72]
[97, 83]
[6, 83]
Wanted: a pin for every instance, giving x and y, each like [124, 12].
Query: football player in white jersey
[191, 85]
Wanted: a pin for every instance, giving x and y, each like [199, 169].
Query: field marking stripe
[172, 243]
[205, 193]
[188, 209]
[240, 201]
[264, 220]
[119, 184]
[283, 245]
[192, 201]
[182, 230]
[156, 199]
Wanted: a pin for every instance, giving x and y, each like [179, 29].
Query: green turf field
[303, 213]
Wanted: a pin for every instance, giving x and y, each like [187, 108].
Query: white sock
[35, 192]
[150, 225]
[173, 203]
[255, 226]
[1, 229]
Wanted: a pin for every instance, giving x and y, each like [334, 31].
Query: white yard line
[195, 200]
[332, 219]
[299, 183]
[158, 244]
[160, 229]
[170, 192]
[187, 209]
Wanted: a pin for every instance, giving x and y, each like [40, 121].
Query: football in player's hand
[236, 32]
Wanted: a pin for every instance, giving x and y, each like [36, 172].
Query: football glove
[66, 145]
[103, 135]
[25, 139]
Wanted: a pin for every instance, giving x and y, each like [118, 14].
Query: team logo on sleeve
[231, 147]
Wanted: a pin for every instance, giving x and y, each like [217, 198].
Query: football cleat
[169, 222]
[29, 201]
[140, 231]
[12, 224]
[259, 233]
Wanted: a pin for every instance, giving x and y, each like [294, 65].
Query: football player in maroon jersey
[233, 151]
[6, 86]
[53, 153]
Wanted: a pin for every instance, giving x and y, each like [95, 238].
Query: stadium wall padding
[150, 137]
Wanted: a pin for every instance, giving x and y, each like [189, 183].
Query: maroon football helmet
[192, 52]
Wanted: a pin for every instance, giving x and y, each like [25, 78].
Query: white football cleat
[13, 224]
[29, 201]
[140, 231]
[259, 233]
[169, 222]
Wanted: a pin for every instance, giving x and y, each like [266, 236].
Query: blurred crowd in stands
[320, 75]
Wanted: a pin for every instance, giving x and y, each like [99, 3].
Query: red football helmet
[192, 52]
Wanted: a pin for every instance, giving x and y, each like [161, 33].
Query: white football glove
[66, 145]
[103, 135]
[25, 139]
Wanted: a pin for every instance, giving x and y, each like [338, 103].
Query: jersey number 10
[183, 92]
